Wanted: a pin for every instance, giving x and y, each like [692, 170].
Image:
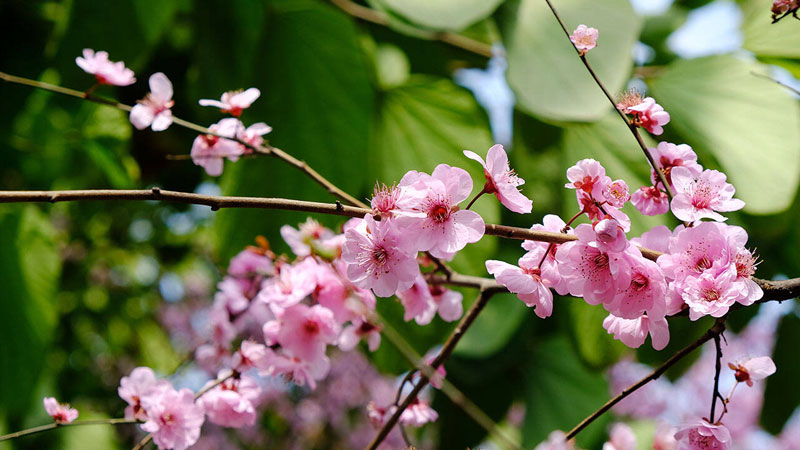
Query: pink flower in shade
[384, 200]
[649, 115]
[360, 329]
[303, 331]
[645, 293]
[251, 262]
[231, 403]
[650, 201]
[621, 437]
[251, 355]
[588, 176]
[525, 281]
[553, 224]
[60, 412]
[657, 238]
[557, 440]
[711, 295]
[667, 156]
[746, 263]
[616, 193]
[106, 72]
[698, 198]
[664, 437]
[309, 235]
[173, 418]
[253, 135]
[299, 371]
[701, 435]
[448, 302]
[154, 111]
[753, 369]
[234, 102]
[501, 180]
[378, 414]
[584, 38]
[141, 382]
[335, 292]
[633, 332]
[231, 297]
[418, 414]
[380, 257]
[209, 150]
[291, 285]
[436, 224]
[418, 302]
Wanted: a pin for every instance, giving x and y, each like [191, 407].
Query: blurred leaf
[749, 124]
[764, 38]
[156, 349]
[561, 392]
[543, 68]
[441, 14]
[594, 344]
[493, 328]
[392, 66]
[105, 140]
[30, 267]
[155, 16]
[781, 396]
[318, 98]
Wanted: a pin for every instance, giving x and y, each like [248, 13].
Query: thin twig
[767, 77]
[716, 330]
[718, 368]
[54, 425]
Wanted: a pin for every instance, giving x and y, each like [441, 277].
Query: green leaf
[545, 72]
[441, 14]
[155, 16]
[561, 392]
[30, 267]
[764, 38]
[781, 396]
[594, 344]
[750, 125]
[494, 327]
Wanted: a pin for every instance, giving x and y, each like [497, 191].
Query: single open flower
[60, 412]
[154, 110]
[106, 72]
[234, 102]
[584, 38]
[753, 369]
[501, 180]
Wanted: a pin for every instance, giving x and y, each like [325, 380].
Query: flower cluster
[645, 112]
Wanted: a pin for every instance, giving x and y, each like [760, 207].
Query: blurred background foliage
[84, 283]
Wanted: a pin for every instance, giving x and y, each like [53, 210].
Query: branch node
[156, 190]
[339, 206]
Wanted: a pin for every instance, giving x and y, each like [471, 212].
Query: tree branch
[54, 425]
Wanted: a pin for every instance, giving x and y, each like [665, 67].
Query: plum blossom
[753, 369]
[253, 135]
[633, 332]
[105, 71]
[501, 180]
[60, 412]
[616, 193]
[584, 38]
[589, 176]
[610, 236]
[418, 302]
[379, 257]
[650, 201]
[303, 331]
[384, 200]
[307, 237]
[234, 102]
[208, 150]
[645, 293]
[668, 155]
[711, 295]
[299, 371]
[649, 115]
[230, 404]
[292, 284]
[154, 110]
[448, 302]
[359, 329]
[173, 418]
[418, 414]
[525, 281]
[621, 438]
[553, 224]
[701, 197]
[141, 382]
[557, 440]
[251, 355]
[701, 435]
[664, 437]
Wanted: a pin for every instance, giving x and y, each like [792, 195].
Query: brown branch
[634, 130]
[717, 369]
[54, 425]
[379, 18]
[714, 331]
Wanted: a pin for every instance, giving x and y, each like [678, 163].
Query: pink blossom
[645, 293]
[501, 180]
[649, 115]
[436, 223]
[588, 176]
[353, 333]
[380, 257]
[621, 437]
[378, 414]
[173, 418]
[308, 237]
[384, 200]
[553, 224]
[664, 437]
[303, 331]
[60, 412]
[251, 262]
[141, 382]
[230, 404]
[557, 440]
[616, 193]
[746, 263]
[335, 292]
[525, 281]
[251, 355]
[701, 435]
[299, 371]
[668, 155]
[448, 302]
[208, 150]
[633, 332]
[697, 198]
[418, 302]
[231, 297]
[418, 414]
[292, 284]
[650, 201]
[657, 238]
[584, 38]
[610, 236]
[753, 369]
[106, 72]
[154, 109]
[711, 295]
[234, 102]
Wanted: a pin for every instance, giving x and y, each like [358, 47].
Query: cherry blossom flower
[303, 331]
[746, 263]
[209, 150]
[292, 284]
[553, 224]
[335, 292]
[584, 38]
[753, 369]
[378, 414]
[251, 355]
[645, 293]
[436, 223]
[353, 333]
[230, 404]
[621, 437]
[633, 332]
[701, 435]
[664, 437]
[106, 72]
[309, 236]
[525, 281]
[616, 193]
[299, 371]
[650, 201]
[60, 412]
[141, 382]
[501, 180]
[418, 302]
[251, 262]
[649, 115]
[379, 257]
[668, 155]
[711, 295]
[702, 197]
[173, 418]
[610, 236]
[557, 440]
[253, 135]
[418, 414]
[589, 176]
[234, 102]
[154, 110]
[448, 302]
[384, 200]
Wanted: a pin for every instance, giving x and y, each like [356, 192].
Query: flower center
[702, 264]
[639, 282]
[439, 213]
[710, 295]
[601, 260]
[311, 327]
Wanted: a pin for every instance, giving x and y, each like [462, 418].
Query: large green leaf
[317, 96]
[543, 68]
[442, 14]
[493, 328]
[765, 38]
[594, 344]
[751, 125]
[29, 271]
